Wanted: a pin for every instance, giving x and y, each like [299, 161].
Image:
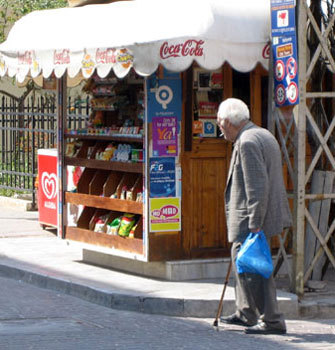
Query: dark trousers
[256, 296]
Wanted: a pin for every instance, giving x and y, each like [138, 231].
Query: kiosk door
[204, 179]
[205, 161]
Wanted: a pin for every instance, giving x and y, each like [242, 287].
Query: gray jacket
[255, 195]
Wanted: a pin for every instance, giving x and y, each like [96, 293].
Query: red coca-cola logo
[62, 57]
[26, 58]
[105, 56]
[266, 51]
[188, 48]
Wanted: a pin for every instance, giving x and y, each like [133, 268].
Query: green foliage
[11, 11]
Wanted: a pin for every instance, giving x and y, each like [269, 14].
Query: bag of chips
[113, 227]
[126, 224]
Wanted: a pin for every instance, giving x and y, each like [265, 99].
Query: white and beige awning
[141, 34]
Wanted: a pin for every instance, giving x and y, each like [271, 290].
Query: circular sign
[291, 67]
[292, 92]
[279, 70]
[280, 94]
[164, 95]
[209, 127]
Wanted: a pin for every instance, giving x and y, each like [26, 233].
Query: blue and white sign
[162, 177]
[284, 47]
[286, 91]
[164, 98]
[282, 17]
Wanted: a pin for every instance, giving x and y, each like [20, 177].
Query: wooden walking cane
[218, 314]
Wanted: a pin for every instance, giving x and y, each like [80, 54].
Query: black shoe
[233, 319]
[263, 328]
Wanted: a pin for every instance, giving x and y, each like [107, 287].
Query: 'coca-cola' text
[188, 48]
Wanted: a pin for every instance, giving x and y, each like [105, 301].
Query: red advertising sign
[47, 186]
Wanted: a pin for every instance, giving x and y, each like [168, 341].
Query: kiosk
[154, 168]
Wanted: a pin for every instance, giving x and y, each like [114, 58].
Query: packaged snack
[139, 197]
[124, 192]
[99, 153]
[108, 152]
[112, 227]
[77, 146]
[126, 224]
[70, 148]
[122, 154]
[90, 151]
[129, 195]
[132, 231]
[137, 155]
[100, 223]
[98, 119]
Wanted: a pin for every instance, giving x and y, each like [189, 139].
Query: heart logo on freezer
[49, 185]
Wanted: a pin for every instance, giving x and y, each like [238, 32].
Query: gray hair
[233, 109]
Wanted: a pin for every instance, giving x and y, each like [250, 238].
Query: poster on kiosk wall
[165, 214]
[164, 114]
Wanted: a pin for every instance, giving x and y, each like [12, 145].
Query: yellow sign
[165, 214]
[88, 65]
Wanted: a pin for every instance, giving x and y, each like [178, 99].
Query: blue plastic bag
[255, 256]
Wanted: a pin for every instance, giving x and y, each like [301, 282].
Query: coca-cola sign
[62, 57]
[266, 51]
[190, 47]
[25, 58]
[105, 56]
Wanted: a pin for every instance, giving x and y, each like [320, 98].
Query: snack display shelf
[125, 138]
[110, 109]
[120, 205]
[103, 95]
[132, 245]
[105, 165]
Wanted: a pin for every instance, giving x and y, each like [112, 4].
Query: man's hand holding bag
[255, 256]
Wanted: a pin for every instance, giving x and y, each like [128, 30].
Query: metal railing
[25, 128]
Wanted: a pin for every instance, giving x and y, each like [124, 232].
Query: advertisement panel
[164, 136]
[165, 214]
[162, 177]
[47, 186]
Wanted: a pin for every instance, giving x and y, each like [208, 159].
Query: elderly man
[255, 199]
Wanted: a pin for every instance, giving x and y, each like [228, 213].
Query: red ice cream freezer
[47, 187]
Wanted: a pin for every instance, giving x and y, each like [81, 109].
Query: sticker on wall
[165, 214]
[164, 137]
[162, 177]
[209, 128]
[164, 98]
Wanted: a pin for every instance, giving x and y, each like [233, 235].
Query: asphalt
[36, 256]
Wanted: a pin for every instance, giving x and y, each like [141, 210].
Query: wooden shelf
[105, 138]
[133, 245]
[103, 95]
[107, 109]
[121, 205]
[105, 165]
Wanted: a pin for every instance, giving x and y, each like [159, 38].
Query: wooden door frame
[188, 144]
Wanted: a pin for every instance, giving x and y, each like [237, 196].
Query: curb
[153, 305]
[115, 300]
[16, 203]
[320, 308]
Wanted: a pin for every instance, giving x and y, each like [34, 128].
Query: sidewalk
[35, 256]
